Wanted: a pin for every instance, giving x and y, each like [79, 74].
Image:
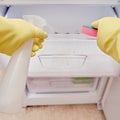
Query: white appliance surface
[67, 55]
[111, 100]
[63, 18]
[2, 10]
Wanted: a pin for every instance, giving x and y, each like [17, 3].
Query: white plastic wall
[111, 104]
[63, 18]
[2, 10]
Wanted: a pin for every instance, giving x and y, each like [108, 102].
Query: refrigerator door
[111, 100]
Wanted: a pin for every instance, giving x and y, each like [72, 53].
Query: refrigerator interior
[117, 10]
[3, 9]
[62, 18]
[70, 63]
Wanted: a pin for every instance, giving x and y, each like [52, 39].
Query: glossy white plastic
[13, 82]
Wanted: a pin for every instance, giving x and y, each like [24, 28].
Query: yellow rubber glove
[108, 36]
[15, 32]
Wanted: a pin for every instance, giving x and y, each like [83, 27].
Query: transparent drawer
[61, 84]
[62, 62]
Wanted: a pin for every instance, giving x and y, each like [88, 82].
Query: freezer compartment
[64, 90]
[61, 84]
[62, 18]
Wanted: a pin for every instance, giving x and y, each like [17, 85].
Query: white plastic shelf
[90, 61]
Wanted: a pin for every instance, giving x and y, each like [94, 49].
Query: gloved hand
[108, 36]
[15, 32]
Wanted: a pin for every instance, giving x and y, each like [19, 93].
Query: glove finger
[40, 46]
[95, 24]
[35, 48]
[38, 42]
[39, 33]
[33, 54]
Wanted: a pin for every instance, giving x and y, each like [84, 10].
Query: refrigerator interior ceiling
[99, 2]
